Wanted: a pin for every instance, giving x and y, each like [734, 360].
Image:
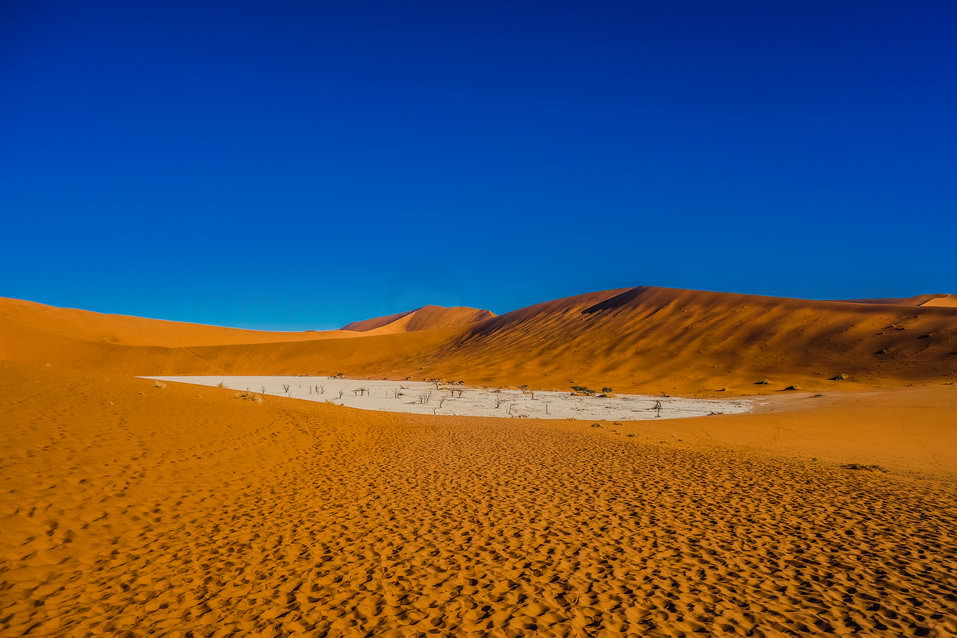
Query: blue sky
[296, 165]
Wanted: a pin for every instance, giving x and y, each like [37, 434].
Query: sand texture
[637, 340]
[129, 509]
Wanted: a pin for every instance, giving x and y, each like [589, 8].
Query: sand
[133, 508]
[36, 321]
[419, 397]
[638, 340]
[939, 300]
[424, 318]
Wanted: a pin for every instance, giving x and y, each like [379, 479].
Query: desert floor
[131, 509]
[421, 397]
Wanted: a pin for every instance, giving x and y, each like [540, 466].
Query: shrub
[861, 466]
[250, 396]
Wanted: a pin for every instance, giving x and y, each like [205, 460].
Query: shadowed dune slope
[637, 339]
[664, 339]
[424, 318]
[131, 509]
[94, 327]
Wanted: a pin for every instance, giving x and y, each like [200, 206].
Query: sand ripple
[182, 510]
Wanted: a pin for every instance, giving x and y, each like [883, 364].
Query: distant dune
[940, 300]
[424, 318]
[94, 327]
[635, 339]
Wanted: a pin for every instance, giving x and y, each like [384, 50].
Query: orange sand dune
[95, 327]
[424, 318]
[134, 509]
[939, 300]
[382, 355]
[666, 339]
[943, 301]
[638, 339]
[910, 430]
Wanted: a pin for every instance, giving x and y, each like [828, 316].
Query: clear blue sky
[303, 164]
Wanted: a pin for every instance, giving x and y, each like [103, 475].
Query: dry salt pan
[421, 397]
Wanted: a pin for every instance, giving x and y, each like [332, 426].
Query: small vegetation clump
[250, 396]
[763, 382]
[839, 377]
[864, 467]
[607, 390]
[596, 425]
[582, 389]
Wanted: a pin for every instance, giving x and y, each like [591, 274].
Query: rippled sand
[132, 508]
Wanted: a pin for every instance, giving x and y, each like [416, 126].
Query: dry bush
[864, 467]
[250, 396]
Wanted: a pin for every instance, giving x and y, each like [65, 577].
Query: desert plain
[822, 501]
